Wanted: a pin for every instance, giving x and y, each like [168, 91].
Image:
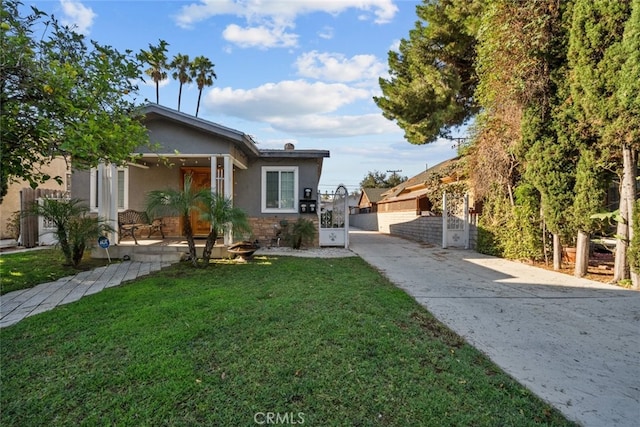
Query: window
[279, 189]
[122, 188]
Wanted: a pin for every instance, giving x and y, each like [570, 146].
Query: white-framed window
[122, 182]
[279, 189]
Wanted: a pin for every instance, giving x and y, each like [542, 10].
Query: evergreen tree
[596, 58]
[432, 76]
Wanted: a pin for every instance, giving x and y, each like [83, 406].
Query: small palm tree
[224, 217]
[156, 58]
[202, 71]
[75, 228]
[181, 67]
[171, 202]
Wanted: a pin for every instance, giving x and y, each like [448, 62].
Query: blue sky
[299, 71]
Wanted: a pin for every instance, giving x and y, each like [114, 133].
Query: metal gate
[334, 219]
[455, 221]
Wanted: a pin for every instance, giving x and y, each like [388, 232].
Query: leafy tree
[432, 77]
[156, 58]
[181, 66]
[597, 55]
[75, 227]
[377, 179]
[171, 202]
[61, 97]
[202, 71]
[224, 217]
[589, 199]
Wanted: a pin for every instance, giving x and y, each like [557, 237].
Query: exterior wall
[248, 183]
[264, 229]
[399, 206]
[426, 229]
[183, 139]
[11, 202]
[364, 221]
[423, 229]
[388, 219]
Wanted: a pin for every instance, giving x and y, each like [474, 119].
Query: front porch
[156, 250]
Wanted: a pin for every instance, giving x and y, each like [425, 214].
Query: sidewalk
[573, 342]
[15, 306]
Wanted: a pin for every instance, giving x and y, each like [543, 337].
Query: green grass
[326, 341]
[23, 270]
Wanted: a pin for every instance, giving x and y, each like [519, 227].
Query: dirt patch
[600, 267]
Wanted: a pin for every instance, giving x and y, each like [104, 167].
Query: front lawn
[320, 342]
[22, 270]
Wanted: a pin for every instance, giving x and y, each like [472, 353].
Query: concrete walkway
[573, 342]
[15, 306]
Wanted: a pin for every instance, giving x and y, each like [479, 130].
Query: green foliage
[590, 191]
[62, 96]
[432, 77]
[377, 179]
[156, 59]
[223, 216]
[203, 73]
[303, 231]
[511, 231]
[76, 229]
[170, 202]
[181, 66]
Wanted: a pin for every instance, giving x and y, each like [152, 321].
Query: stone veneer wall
[264, 229]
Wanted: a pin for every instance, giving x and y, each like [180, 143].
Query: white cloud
[256, 10]
[290, 98]
[268, 21]
[337, 67]
[261, 36]
[77, 16]
[326, 33]
[326, 126]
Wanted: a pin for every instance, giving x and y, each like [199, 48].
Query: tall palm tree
[202, 71]
[156, 58]
[223, 216]
[181, 67]
[171, 202]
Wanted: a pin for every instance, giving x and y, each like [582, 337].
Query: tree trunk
[212, 237]
[582, 254]
[188, 234]
[625, 227]
[557, 252]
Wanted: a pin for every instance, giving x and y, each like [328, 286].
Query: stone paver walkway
[15, 306]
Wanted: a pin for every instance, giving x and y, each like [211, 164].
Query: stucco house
[270, 185]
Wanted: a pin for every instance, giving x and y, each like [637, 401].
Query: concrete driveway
[573, 342]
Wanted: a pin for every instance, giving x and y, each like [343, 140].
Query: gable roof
[419, 181]
[242, 140]
[372, 194]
